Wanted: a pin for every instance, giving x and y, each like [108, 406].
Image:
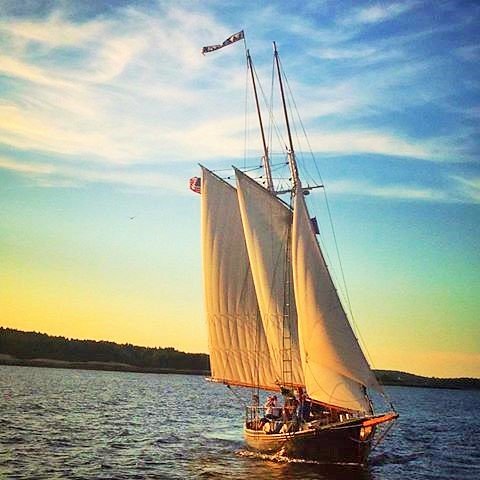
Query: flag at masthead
[232, 39]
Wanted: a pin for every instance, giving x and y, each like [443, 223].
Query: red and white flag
[196, 184]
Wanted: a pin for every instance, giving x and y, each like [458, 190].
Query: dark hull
[340, 444]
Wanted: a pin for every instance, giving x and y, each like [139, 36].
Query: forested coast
[38, 349]
[42, 350]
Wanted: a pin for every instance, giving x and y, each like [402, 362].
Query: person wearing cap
[272, 412]
[271, 409]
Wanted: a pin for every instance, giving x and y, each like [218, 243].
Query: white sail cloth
[334, 365]
[266, 225]
[238, 349]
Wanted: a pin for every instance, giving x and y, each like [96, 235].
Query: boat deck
[345, 441]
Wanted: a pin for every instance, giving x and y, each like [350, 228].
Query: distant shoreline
[390, 378]
[38, 349]
[101, 366]
[403, 379]
[41, 350]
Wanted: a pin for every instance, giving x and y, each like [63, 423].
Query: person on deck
[304, 405]
[290, 409]
[272, 412]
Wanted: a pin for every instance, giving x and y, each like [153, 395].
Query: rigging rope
[235, 394]
[383, 435]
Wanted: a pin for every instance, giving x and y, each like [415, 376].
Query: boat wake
[280, 457]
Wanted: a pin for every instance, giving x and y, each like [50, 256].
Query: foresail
[238, 349]
[266, 224]
[334, 365]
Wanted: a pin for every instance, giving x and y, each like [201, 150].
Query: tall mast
[287, 366]
[291, 154]
[265, 158]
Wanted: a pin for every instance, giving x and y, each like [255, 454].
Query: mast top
[291, 152]
[265, 158]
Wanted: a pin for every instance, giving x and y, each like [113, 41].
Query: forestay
[238, 350]
[334, 365]
[266, 224]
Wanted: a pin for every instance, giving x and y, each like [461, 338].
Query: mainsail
[336, 370]
[267, 225]
[238, 350]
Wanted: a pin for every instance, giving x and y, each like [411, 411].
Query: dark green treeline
[33, 345]
[25, 348]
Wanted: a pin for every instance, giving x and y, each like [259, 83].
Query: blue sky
[107, 107]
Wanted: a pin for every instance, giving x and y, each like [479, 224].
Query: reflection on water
[113, 425]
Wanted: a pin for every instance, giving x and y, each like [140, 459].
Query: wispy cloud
[18, 69]
[381, 12]
[49, 175]
[28, 129]
[26, 168]
[462, 191]
[344, 53]
[469, 52]
[125, 98]
[365, 141]
[398, 192]
[55, 31]
[469, 188]
[131, 88]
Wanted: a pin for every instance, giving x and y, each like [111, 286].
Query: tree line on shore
[26, 347]
[33, 345]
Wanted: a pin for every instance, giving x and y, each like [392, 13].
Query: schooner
[275, 320]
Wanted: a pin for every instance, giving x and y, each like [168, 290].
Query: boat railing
[254, 412]
[255, 418]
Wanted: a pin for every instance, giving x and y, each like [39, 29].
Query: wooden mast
[291, 153]
[287, 360]
[267, 170]
[265, 158]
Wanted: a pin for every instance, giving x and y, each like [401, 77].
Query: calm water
[85, 425]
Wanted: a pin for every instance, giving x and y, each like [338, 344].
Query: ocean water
[78, 424]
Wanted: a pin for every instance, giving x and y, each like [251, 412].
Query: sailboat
[275, 320]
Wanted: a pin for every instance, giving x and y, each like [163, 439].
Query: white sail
[266, 224]
[334, 365]
[238, 350]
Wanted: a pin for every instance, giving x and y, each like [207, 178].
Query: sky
[107, 107]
